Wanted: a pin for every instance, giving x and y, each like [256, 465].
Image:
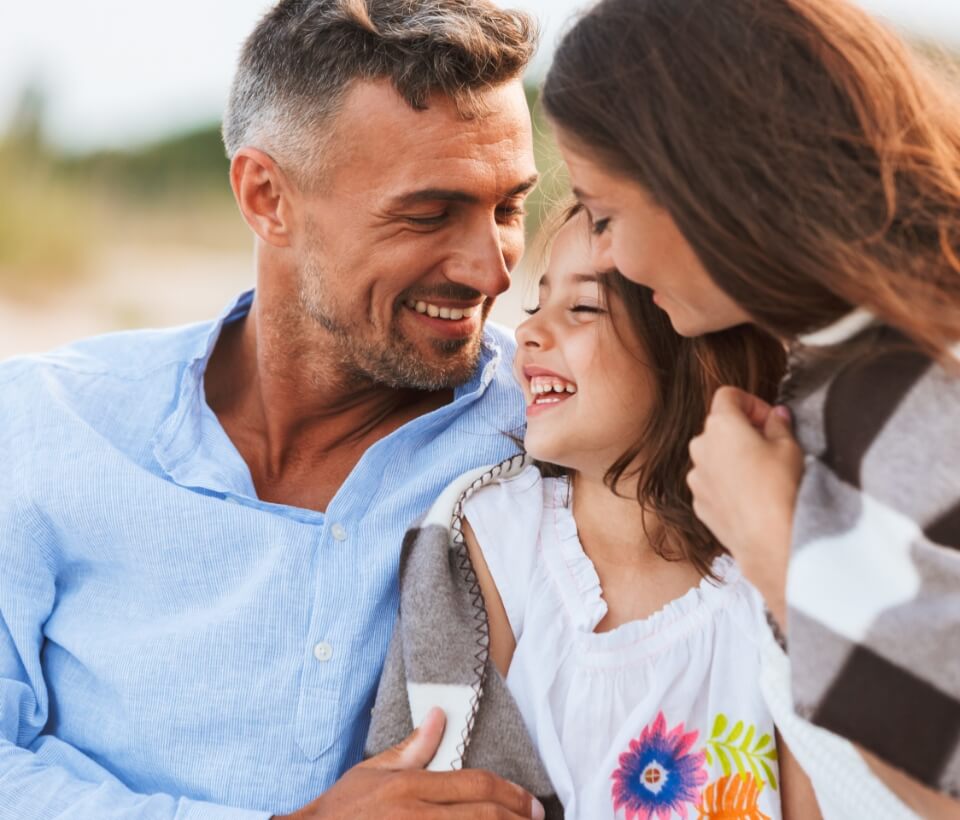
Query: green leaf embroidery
[772, 777]
[724, 760]
[745, 756]
[735, 733]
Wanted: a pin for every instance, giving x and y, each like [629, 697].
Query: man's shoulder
[130, 354]
[502, 338]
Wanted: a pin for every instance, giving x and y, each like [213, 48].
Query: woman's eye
[587, 309]
[598, 226]
[532, 311]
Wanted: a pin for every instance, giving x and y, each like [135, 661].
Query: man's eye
[428, 221]
[511, 212]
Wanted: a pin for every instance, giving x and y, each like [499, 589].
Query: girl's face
[583, 371]
[642, 241]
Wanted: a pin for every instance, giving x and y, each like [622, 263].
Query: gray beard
[395, 363]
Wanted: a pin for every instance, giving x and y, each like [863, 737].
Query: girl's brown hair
[685, 372]
[806, 156]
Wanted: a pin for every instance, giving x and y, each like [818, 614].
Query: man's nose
[481, 261]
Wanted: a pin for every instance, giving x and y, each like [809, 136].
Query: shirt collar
[193, 448]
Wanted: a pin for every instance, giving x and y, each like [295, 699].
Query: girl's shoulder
[511, 498]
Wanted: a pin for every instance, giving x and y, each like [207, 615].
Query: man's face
[414, 232]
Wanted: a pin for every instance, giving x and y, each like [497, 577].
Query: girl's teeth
[540, 388]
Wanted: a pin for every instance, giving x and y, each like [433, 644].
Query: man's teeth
[437, 312]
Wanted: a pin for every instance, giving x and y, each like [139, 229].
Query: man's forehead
[379, 134]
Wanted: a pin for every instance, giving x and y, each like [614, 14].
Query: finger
[733, 400]
[417, 749]
[779, 424]
[479, 811]
[471, 786]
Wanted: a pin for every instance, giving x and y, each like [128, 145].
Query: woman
[786, 163]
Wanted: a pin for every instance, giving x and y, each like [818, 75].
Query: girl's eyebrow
[579, 278]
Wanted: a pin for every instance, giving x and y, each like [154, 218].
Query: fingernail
[537, 811]
[782, 411]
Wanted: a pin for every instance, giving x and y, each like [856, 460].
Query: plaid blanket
[439, 654]
[873, 588]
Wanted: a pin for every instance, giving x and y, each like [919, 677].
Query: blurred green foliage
[59, 210]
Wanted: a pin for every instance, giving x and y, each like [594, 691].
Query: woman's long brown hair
[809, 159]
[685, 373]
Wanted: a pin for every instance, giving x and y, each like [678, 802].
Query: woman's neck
[616, 537]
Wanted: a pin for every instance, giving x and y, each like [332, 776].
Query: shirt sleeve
[505, 517]
[874, 576]
[40, 775]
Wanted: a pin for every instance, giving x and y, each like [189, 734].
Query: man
[200, 528]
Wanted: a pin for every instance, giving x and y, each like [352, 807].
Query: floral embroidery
[737, 751]
[734, 797]
[659, 774]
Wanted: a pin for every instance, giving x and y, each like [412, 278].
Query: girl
[627, 638]
[786, 163]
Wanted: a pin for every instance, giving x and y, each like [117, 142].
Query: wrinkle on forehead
[382, 143]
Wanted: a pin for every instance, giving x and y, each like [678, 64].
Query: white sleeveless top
[658, 718]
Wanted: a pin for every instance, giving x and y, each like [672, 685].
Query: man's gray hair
[299, 62]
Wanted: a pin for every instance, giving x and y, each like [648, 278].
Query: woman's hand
[746, 472]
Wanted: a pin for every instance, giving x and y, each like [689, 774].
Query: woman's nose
[601, 252]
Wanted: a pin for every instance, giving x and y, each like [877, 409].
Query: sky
[116, 72]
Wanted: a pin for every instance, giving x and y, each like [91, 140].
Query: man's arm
[34, 776]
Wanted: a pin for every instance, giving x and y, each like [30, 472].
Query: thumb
[779, 424]
[417, 749]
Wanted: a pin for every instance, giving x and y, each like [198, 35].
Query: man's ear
[264, 195]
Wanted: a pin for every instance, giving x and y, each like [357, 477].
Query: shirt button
[323, 651]
[338, 532]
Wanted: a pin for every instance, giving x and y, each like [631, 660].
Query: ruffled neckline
[575, 573]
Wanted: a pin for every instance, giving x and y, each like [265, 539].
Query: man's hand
[394, 785]
[746, 472]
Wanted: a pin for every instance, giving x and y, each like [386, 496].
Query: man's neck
[298, 420]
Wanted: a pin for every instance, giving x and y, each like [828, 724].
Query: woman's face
[583, 372]
[641, 240]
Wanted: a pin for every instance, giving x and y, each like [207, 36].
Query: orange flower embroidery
[733, 797]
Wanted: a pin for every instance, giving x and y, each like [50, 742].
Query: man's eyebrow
[454, 195]
[525, 186]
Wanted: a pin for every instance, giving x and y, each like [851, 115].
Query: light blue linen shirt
[171, 646]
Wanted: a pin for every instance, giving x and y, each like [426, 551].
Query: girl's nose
[530, 332]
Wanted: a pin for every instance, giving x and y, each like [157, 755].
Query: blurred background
[115, 209]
